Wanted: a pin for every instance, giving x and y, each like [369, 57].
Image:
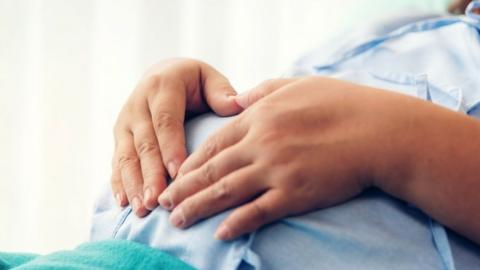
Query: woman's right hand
[149, 132]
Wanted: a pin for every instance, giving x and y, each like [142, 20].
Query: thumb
[218, 92]
[246, 99]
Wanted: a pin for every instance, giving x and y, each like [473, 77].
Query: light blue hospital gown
[437, 60]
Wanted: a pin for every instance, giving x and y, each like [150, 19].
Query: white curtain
[66, 67]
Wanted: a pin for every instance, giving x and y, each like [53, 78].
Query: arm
[315, 142]
[444, 160]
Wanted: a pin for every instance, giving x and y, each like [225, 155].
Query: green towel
[112, 254]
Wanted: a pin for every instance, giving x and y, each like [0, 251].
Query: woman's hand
[313, 143]
[149, 133]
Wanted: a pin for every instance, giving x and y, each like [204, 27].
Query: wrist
[402, 143]
[424, 148]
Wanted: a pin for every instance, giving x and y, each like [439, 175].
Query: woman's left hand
[310, 143]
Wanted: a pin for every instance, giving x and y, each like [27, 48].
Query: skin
[149, 134]
[459, 6]
[310, 144]
[294, 145]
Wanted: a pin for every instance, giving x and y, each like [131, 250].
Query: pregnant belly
[372, 231]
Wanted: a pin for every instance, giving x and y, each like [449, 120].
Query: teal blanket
[112, 254]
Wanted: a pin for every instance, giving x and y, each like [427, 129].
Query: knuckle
[164, 120]
[131, 191]
[126, 160]
[238, 123]
[210, 147]
[153, 174]
[271, 126]
[260, 214]
[269, 143]
[207, 175]
[262, 110]
[115, 181]
[222, 191]
[281, 157]
[268, 138]
[152, 82]
[117, 128]
[146, 148]
[224, 87]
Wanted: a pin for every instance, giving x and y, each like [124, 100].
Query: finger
[246, 99]
[218, 92]
[267, 208]
[232, 190]
[131, 173]
[229, 135]
[117, 186]
[167, 108]
[153, 171]
[227, 161]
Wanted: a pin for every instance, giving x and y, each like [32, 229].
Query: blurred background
[66, 68]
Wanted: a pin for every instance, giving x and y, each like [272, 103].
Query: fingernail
[165, 201]
[222, 233]
[242, 100]
[230, 95]
[172, 169]
[147, 196]
[136, 204]
[177, 218]
[118, 197]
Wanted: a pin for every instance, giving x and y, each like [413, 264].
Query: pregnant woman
[366, 157]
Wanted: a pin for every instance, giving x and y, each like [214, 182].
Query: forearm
[443, 176]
